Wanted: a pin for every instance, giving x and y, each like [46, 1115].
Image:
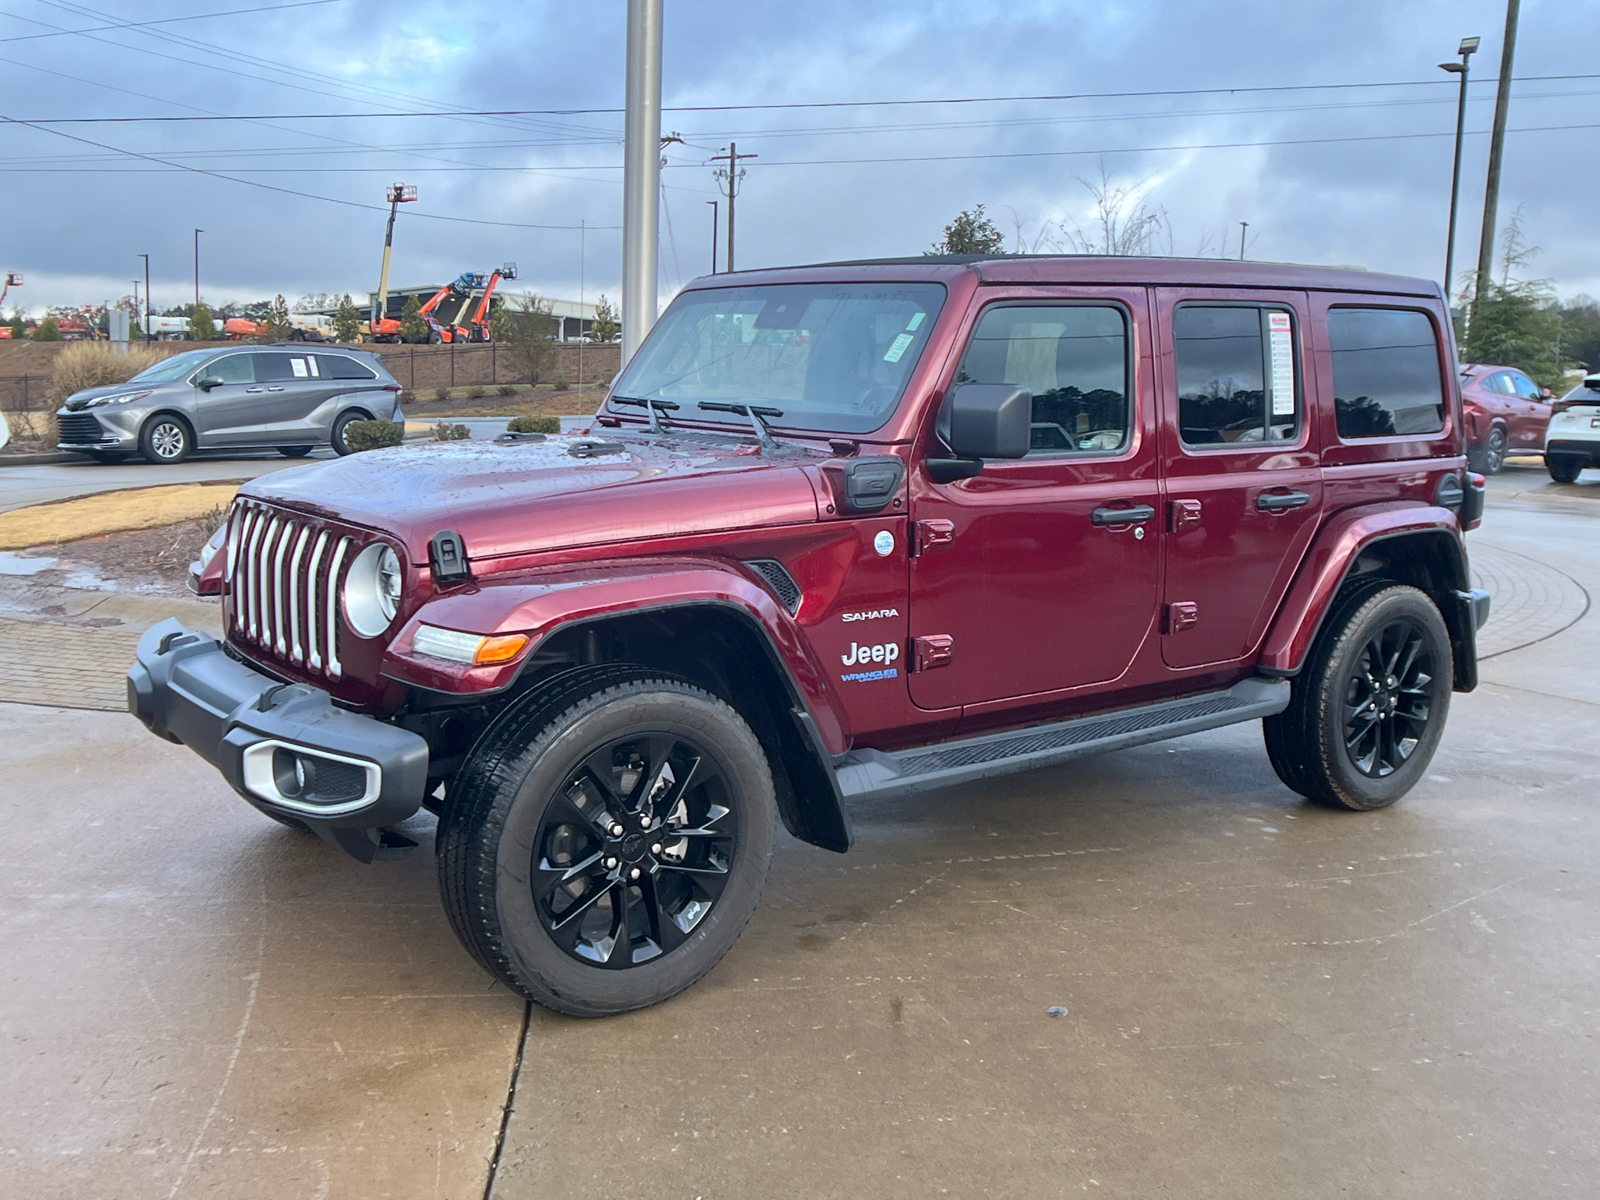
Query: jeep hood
[565, 492]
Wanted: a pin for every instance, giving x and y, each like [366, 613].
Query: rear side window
[1235, 374]
[1073, 358]
[1385, 372]
[285, 368]
[338, 366]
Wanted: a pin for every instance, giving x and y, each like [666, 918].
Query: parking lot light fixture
[1468, 46]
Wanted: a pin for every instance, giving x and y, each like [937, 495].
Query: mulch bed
[144, 559]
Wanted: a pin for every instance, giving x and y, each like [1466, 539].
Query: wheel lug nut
[633, 874]
[655, 848]
[608, 863]
[616, 829]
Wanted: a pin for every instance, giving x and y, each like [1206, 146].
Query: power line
[57, 31]
[570, 112]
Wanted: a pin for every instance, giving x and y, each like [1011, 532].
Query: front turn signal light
[469, 649]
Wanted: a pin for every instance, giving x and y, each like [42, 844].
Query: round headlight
[372, 590]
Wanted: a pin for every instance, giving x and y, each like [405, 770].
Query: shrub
[477, 392]
[405, 396]
[534, 425]
[373, 435]
[562, 385]
[445, 432]
[505, 389]
[47, 331]
[97, 364]
[441, 393]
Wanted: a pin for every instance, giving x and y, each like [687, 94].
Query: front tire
[294, 451]
[1367, 711]
[165, 440]
[606, 841]
[109, 457]
[1563, 469]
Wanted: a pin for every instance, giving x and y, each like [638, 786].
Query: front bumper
[284, 747]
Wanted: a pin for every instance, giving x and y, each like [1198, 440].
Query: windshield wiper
[754, 411]
[649, 406]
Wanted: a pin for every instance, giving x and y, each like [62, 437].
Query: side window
[1235, 374]
[231, 368]
[1385, 372]
[1500, 384]
[1524, 387]
[1073, 358]
[338, 366]
[285, 368]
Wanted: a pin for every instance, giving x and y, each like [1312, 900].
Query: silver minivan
[283, 396]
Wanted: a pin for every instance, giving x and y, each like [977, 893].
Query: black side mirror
[208, 382]
[979, 421]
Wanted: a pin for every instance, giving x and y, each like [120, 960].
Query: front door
[1041, 573]
[1244, 488]
[231, 412]
[1530, 413]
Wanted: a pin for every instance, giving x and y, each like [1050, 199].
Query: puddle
[14, 564]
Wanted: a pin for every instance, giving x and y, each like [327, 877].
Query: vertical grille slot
[313, 628]
[334, 669]
[297, 584]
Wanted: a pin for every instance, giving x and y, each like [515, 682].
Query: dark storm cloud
[1342, 184]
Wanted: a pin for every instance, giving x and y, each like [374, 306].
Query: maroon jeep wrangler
[859, 529]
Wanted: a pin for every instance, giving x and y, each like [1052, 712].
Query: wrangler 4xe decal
[865, 656]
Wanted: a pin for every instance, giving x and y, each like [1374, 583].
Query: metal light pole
[146, 258]
[1468, 45]
[641, 173]
[197, 234]
[1491, 194]
[713, 204]
[1244, 228]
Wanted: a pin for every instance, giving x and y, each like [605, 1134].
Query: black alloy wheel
[1367, 710]
[606, 839]
[633, 851]
[1388, 700]
[294, 451]
[1491, 456]
[165, 439]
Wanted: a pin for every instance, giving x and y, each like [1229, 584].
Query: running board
[879, 775]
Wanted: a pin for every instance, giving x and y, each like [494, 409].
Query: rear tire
[294, 451]
[1563, 469]
[1367, 711]
[1488, 458]
[336, 438]
[606, 841]
[165, 440]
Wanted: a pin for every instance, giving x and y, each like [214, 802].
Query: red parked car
[1506, 413]
[846, 531]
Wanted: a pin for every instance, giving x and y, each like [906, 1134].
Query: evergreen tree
[412, 327]
[19, 328]
[201, 327]
[604, 327]
[972, 232]
[47, 331]
[347, 320]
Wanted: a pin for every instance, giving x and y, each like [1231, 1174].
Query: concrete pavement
[1262, 997]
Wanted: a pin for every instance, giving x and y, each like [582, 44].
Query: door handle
[1281, 501]
[1136, 515]
[274, 388]
[255, 389]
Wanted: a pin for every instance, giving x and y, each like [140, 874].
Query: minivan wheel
[109, 457]
[1488, 458]
[1366, 714]
[294, 451]
[165, 439]
[336, 439]
[604, 844]
[1563, 469]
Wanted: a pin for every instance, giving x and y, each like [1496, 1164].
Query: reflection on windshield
[172, 368]
[830, 356]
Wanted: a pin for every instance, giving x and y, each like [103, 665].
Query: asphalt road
[1261, 997]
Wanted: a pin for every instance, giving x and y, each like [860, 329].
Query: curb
[38, 460]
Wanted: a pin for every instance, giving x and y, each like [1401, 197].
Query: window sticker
[1282, 347]
[916, 320]
[298, 366]
[898, 347]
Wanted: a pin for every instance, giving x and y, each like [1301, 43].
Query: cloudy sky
[1259, 122]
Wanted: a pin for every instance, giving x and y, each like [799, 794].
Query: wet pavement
[1261, 997]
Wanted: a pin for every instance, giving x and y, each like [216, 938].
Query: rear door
[1040, 574]
[1244, 485]
[1531, 413]
[294, 381]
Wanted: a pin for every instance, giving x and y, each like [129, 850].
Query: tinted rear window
[1385, 372]
[338, 366]
[272, 368]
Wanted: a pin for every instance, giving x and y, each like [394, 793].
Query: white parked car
[1573, 440]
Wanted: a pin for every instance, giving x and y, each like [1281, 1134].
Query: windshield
[172, 368]
[827, 356]
[1588, 390]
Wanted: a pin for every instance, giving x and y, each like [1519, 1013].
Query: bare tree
[1122, 223]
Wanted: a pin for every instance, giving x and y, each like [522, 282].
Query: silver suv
[282, 396]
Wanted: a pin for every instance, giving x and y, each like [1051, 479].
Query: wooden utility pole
[1491, 194]
[732, 175]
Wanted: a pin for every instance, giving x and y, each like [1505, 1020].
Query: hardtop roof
[1092, 269]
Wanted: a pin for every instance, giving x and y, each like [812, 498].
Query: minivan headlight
[119, 398]
[372, 590]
